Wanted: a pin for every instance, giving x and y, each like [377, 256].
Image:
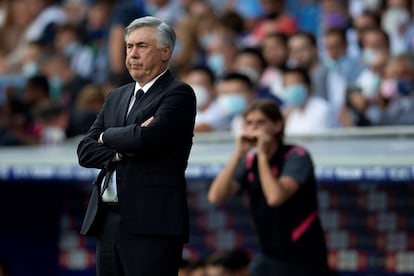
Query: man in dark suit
[141, 141]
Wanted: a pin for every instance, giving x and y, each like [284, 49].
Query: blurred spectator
[303, 53]
[395, 21]
[64, 83]
[343, 71]
[81, 57]
[364, 21]
[354, 111]
[235, 92]
[250, 62]
[398, 91]
[88, 104]
[210, 116]
[276, 19]
[375, 53]
[75, 10]
[275, 52]
[123, 13]
[187, 50]
[95, 32]
[335, 14]
[43, 15]
[305, 113]
[52, 120]
[18, 123]
[206, 21]
[167, 10]
[31, 60]
[221, 51]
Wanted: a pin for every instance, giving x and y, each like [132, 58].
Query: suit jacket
[150, 178]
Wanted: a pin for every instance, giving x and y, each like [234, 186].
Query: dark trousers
[135, 255]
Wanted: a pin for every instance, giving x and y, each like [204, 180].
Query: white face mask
[202, 95]
[251, 73]
[371, 5]
[2, 17]
[394, 19]
[370, 84]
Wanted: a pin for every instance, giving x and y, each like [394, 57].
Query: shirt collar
[148, 85]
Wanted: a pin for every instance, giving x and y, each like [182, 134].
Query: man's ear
[166, 53]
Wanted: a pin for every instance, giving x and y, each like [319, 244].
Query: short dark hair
[238, 76]
[279, 36]
[205, 69]
[270, 109]
[39, 82]
[300, 71]
[310, 37]
[255, 52]
[338, 32]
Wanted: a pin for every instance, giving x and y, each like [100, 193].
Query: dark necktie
[138, 97]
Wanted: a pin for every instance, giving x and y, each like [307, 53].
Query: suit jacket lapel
[124, 103]
[156, 90]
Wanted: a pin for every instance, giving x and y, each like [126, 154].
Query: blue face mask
[294, 95]
[405, 87]
[216, 62]
[232, 104]
[368, 56]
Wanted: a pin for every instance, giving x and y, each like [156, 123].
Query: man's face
[335, 47]
[144, 60]
[300, 51]
[274, 51]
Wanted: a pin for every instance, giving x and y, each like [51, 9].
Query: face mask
[395, 18]
[2, 17]
[332, 63]
[52, 136]
[405, 87]
[388, 88]
[55, 86]
[368, 56]
[30, 69]
[216, 62]
[371, 85]
[372, 5]
[252, 74]
[294, 95]
[70, 49]
[232, 104]
[202, 95]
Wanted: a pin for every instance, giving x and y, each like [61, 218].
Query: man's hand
[147, 122]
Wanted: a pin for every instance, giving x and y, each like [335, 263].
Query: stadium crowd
[60, 58]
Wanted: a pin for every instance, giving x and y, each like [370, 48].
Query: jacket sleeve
[91, 154]
[172, 125]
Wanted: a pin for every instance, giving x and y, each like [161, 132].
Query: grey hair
[165, 33]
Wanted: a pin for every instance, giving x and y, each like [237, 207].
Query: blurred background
[60, 58]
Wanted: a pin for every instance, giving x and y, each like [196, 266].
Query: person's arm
[91, 153]
[275, 190]
[225, 185]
